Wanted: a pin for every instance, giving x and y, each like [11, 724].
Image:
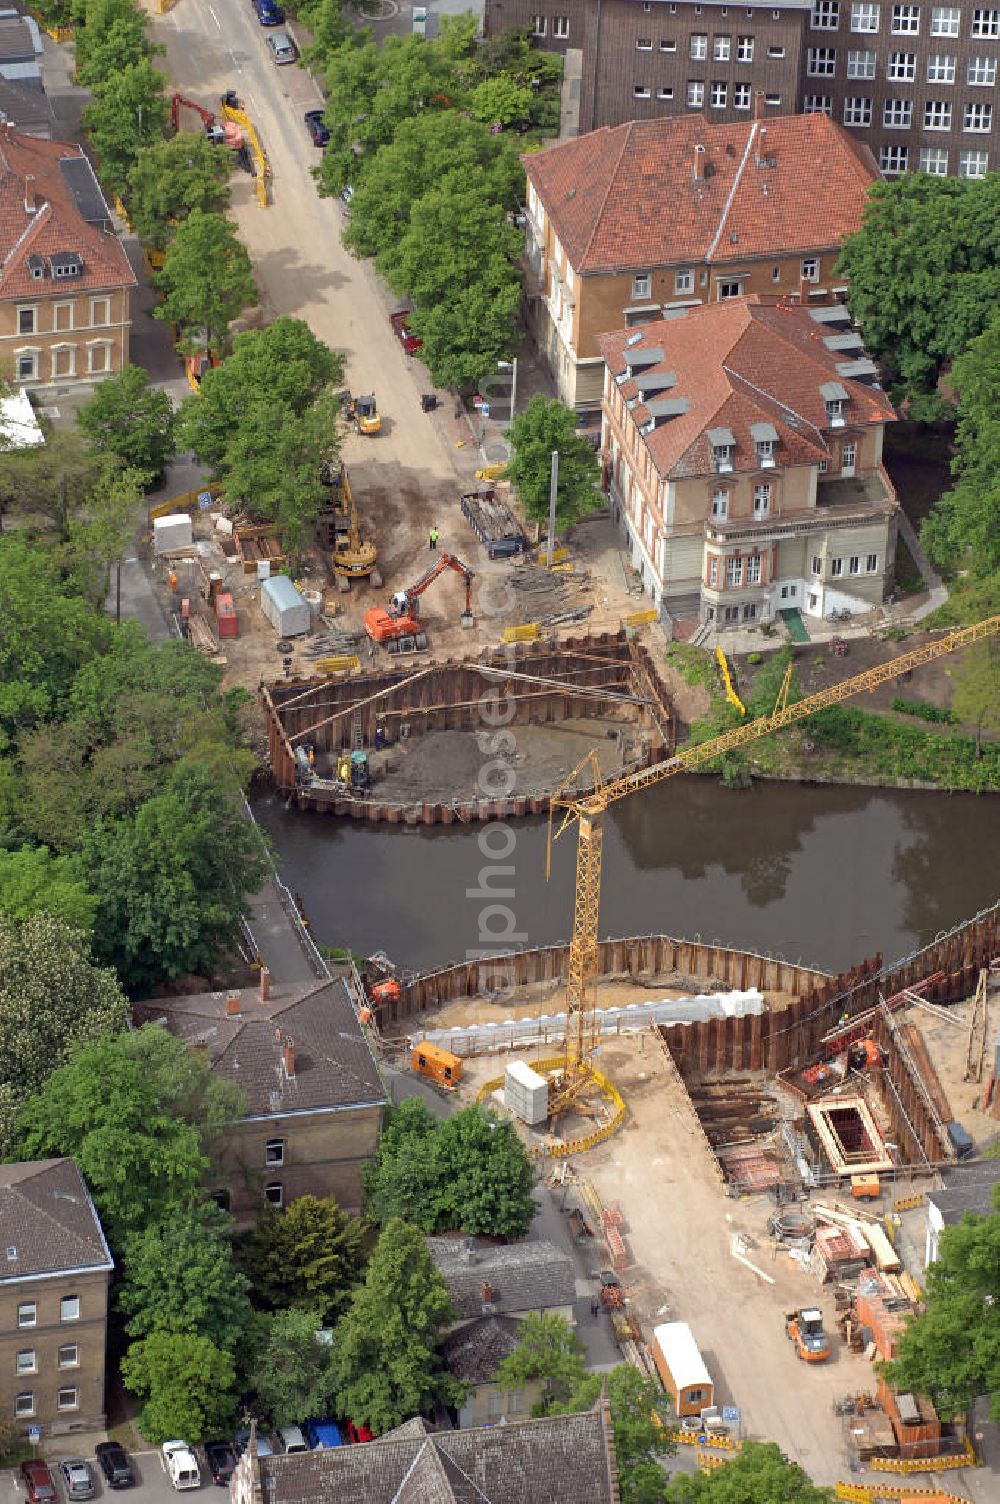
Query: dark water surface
[828, 875]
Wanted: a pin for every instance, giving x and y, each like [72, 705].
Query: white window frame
[857, 110]
[24, 1404]
[762, 494]
[836, 569]
[32, 310]
[59, 308]
[560, 27]
[897, 114]
[695, 94]
[744, 49]
[973, 164]
[941, 68]
[278, 1196]
[816, 566]
[901, 67]
[986, 23]
[93, 346]
[713, 571]
[893, 160]
[977, 118]
[742, 99]
[684, 281]
[642, 91]
[809, 268]
[865, 18]
[934, 161]
[862, 64]
[854, 564]
[871, 564]
[849, 455]
[905, 21]
[734, 581]
[937, 115]
[825, 15]
[539, 26]
[642, 285]
[752, 571]
[719, 96]
[720, 504]
[69, 1308]
[68, 1398]
[946, 21]
[26, 1361]
[69, 1347]
[644, 44]
[698, 46]
[664, 91]
[981, 72]
[54, 353]
[734, 289]
[722, 49]
[821, 62]
[667, 46]
[24, 1319]
[274, 1153]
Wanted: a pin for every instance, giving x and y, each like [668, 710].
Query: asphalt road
[152, 1486]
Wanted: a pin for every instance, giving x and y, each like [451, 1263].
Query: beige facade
[52, 1345]
[300, 1154]
[60, 337]
[489, 1404]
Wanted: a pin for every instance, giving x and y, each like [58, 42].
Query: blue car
[242, 1437]
[268, 13]
[323, 1434]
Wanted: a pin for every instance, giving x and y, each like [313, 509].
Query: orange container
[437, 1064]
[225, 616]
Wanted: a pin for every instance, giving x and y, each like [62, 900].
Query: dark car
[242, 1437]
[317, 130]
[269, 13]
[112, 1459]
[221, 1461]
[38, 1482]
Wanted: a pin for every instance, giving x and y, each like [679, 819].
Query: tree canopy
[952, 1350]
[292, 1368]
[469, 1172]
[206, 280]
[551, 1352]
[181, 1278]
[139, 1113]
[171, 178]
[962, 529]
[542, 427]
[385, 1345]
[188, 1384]
[33, 881]
[131, 419]
[924, 276]
[758, 1474]
[976, 697]
[113, 35]
[129, 112]
[310, 1254]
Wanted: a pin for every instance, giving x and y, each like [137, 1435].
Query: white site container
[526, 1093]
[284, 607]
[171, 532]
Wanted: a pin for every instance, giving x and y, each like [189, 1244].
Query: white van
[181, 1465]
[290, 1439]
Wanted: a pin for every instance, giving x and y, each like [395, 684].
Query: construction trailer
[173, 531]
[285, 608]
[682, 1368]
[436, 1064]
[225, 615]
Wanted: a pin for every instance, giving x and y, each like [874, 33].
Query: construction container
[284, 607]
[225, 615]
[526, 1093]
[494, 524]
[682, 1368]
[437, 1064]
[171, 532]
[914, 1420]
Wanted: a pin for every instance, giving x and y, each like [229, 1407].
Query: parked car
[181, 1465]
[317, 130]
[400, 322]
[269, 13]
[290, 1439]
[281, 47]
[38, 1482]
[323, 1434]
[264, 1447]
[78, 1480]
[221, 1461]
[358, 1433]
[113, 1462]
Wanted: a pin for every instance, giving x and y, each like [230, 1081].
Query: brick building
[627, 223]
[54, 1273]
[915, 82]
[65, 281]
[315, 1100]
[743, 448]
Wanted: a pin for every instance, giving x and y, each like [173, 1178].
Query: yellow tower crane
[588, 812]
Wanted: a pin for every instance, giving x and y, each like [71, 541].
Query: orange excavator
[222, 134]
[398, 627]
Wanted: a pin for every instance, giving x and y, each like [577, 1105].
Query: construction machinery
[362, 412]
[352, 769]
[228, 134]
[351, 556]
[805, 1329]
[586, 810]
[398, 627]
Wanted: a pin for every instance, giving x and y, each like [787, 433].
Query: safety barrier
[185, 501]
[731, 694]
[689, 1438]
[641, 618]
[575, 1145]
[862, 1493]
[262, 176]
[966, 1458]
[527, 632]
[907, 1203]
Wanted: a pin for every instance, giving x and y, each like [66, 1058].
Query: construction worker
[172, 579]
[433, 543]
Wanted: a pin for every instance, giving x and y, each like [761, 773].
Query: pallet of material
[257, 545]
[494, 524]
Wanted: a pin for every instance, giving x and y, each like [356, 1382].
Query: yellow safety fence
[122, 213]
[966, 1458]
[866, 1493]
[346, 663]
[688, 1438]
[907, 1203]
[731, 694]
[576, 1145]
[185, 501]
[162, 6]
[527, 632]
[642, 618]
[559, 555]
[262, 174]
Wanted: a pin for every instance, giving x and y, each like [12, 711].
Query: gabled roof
[48, 207]
[525, 1276]
[332, 1065]
[475, 1351]
[739, 365]
[47, 1221]
[563, 1459]
[625, 197]
[968, 1189]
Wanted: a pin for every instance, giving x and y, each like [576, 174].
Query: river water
[824, 875]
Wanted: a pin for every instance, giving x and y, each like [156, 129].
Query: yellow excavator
[351, 556]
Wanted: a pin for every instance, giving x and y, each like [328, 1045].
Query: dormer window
[835, 398]
[723, 449]
[765, 441]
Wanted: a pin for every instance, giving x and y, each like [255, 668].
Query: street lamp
[510, 365]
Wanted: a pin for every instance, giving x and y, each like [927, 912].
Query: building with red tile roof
[631, 221]
[65, 281]
[743, 455]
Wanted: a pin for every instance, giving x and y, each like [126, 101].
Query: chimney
[486, 1294]
[288, 1055]
[29, 194]
[804, 285]
[758, 104]
[698, 165]
[233, 1005]
[469, 1252]
[265, 984]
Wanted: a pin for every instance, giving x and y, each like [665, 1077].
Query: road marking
[215, 18]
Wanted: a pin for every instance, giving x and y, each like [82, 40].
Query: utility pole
[553, 488]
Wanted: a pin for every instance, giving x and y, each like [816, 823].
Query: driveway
[152, 1485]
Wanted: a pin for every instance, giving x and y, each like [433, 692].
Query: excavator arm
[446, 561]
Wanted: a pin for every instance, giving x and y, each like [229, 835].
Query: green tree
[385, 1345]
[139, 1113]
[171, 178]
[284, 364]
[172, 882]
[467, 336]
[54, 481]
[33, 881]
[474, 243]
[758, 1474]
[924, 275]
[100, 540]
[274, 461]
[952, 1350]
[962, 529]
[128, 113]
[292, 1368]
[206, 280]
[180, 1277]
[469, 1172]
[311, 1254]
[112, 37]
[188, 1385]
[502, 100]
[551, 1353]
[130, 418]
[542, 427]
[977, 690]
[640, 1416]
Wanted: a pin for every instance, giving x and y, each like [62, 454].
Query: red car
[38, 1482]
[358, 1433]
[401, 324]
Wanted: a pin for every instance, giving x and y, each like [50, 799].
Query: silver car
[77, 1478]
[281, 47]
